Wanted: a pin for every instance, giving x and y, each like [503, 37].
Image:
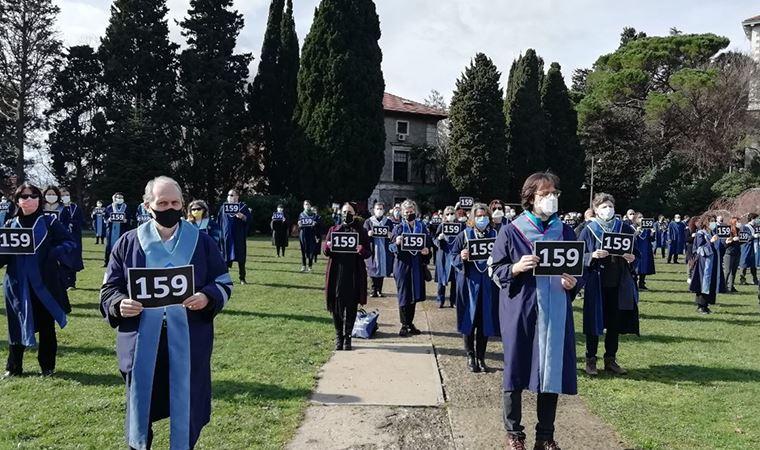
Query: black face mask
[411, 217]
[168, 217]
[348, 218]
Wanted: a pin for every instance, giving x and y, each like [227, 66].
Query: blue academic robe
[477, 293]
[209, 227]
[750, 254]
[37, 278]
[115, 230]
[234, 233]
[408, 267]
[645, 261]
[142, 214]
[523, 333]
[593, 301]
[98, 221]
[707, 277]
[193, 396]
[307, 234]
[73, 219]
[380, 263]
[661, 237]
[6, 211]
[676, 237]
[444, 272]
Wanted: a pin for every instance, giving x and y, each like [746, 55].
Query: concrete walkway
[416, 393]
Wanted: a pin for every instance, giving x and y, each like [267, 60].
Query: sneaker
[303, 269]
[308, 270]
[591, 367]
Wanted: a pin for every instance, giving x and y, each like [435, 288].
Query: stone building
[409, 127]
[752, 30]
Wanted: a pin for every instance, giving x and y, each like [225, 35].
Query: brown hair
[602, 197]
[734, 222]
[532, 184]
[495, 202]
[692, 224]
[475, 208]
[704, 221]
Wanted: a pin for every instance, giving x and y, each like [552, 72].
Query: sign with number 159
[558, 257]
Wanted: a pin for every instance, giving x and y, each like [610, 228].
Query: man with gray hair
[165, 283]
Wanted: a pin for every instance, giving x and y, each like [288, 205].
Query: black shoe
[482, 364]
[374, 294]
[472, 363]
[347, 343]
[243, 282]
[703, 310]
[10, 374]
[733, 289]
[380, 294]
[440, 305]
[643, 287]
[338, 342]
[403, 332]
[48, 372]
[413, 330]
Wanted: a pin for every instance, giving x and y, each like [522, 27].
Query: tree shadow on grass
[289, 286]
[264, 315]
[688, 373]
[91, 379]
[690, 301]
[700, 318]
[233, 391]
[665, 339]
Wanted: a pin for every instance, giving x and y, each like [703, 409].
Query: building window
[402, 127]
[400, 166]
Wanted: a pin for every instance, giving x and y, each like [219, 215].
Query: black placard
[452, 228]
[380, 231]
[54, 214]
[278, 216]
[16, 241]
[154, 287]
[617, 243]
[142, 218]
[466, 202]
[305, 222]
[412, 242]
[480, 249]
[435, 220]
[118, 217]
[745, 236]
[231, 208]
[647, 223]
[344, 242]
[558, 257]
[723, 231]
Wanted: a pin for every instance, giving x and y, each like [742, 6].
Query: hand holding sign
[559, 258]
[723, 231]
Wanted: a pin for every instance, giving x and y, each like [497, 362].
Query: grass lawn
[270, 342]
[693, 381]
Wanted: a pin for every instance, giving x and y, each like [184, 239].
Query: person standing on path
[410, 267]
[443, 259]
[345, 277]
[477, 295]
[535, 314]
[380, 262]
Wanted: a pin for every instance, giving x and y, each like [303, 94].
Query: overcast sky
[427, 43]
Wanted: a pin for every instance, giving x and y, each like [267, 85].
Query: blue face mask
[481, 222]
[713, 225]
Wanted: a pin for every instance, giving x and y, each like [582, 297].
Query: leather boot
[338, 341]
[610, 365]
[591, 366]
[515, 443]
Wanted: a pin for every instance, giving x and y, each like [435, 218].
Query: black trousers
[47, 344]
[642, 279]
[611, 336]
[476, 341]
[377, 284]
[280, 250]
[344, 316]
[307, 257]
[753, 271]
[662, 251]
[406, 314]
[241, 269]
[730, 267]
[546, 409]
[673, 257]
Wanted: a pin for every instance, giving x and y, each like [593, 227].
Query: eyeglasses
[557, 193]
[28, 196]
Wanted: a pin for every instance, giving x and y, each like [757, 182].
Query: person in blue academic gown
[410, 267]
[676, 239]
[380, 263]
[52, 205]
[308, 224]
[164, 353]
[235, 232]
[661, 235]
[279, 225]
[707, 278]
[610, 300]
[477, 294]
[346, 277]
[73, 219]
[643, 244]
[7, 209]
[444, 272]
[750, 253]
[98, 216]
[35, 299]
[535, 313]
[142, 215]
[115, 228]
[497, 214]
[198, 215]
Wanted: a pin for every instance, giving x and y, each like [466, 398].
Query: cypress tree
[526, 122]
[289, 62]
[564, 153]
[340, 110]
[140, 81]
[477, 158]
[213, 80]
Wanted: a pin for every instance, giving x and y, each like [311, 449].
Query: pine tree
[476, 163]
[140, 80]
[78, 125]
[340, 110]
[564, 154]
[213, 79]
[526, 122]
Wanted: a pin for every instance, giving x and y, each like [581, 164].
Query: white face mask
[605, 212]
[379, 212]
[279, 210]
[99, 205]
[677, 219]
[463, 219]
[451, 217]
[231, 199]
[51, 198]
[119, 201]
[66, 199]
[498, 214]
[548, 205]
